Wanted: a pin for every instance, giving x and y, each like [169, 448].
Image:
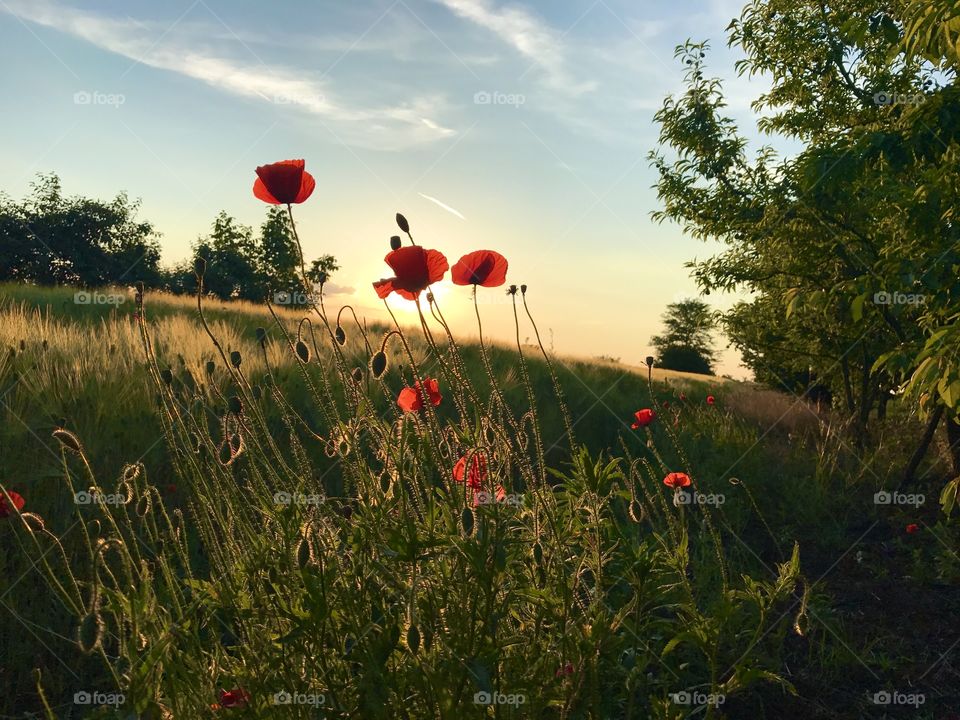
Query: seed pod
[303, 352]
[235, 358]
[211, 366]
[537, 553]
[385, 483]
[402, 223]
[90, 633]
[378, 364]
[395, 242]
[167, 376]
[523, 289]
[413, 639]
[199, 266]
[466, 519]
[322, 277]
[67, 439]
[357, 375]
[235, 405]
[304, 553]
[261, 335]
[340, 335]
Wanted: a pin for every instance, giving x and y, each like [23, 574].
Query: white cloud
[392, 126]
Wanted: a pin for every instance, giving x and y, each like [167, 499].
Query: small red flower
[643, 418]
[136, 317]
[415, 270]
[283, 183]
[478, 470]
[171, 488]
[677, 480]
[238, 697]
[682, 397]
[711, 400]
[5, 508]
[567, 669]
[410, 399]
[482, 267]
[912, 528]
[665, 403]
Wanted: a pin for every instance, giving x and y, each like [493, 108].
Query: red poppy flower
[682, 397]
[912, 528]
[283, 183]
[478, 470]
[677, 480]
[481, 267]
[665, 403]
[415, 269]
[238, 697]
[710, 400]
[643, 418]
[410, 399]
[565, 670]
[5, 508]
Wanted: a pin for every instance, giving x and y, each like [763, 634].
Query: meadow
[245, 522]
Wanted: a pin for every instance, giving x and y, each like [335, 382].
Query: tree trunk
[910, 472]
[953, 440]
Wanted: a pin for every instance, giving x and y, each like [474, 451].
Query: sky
[522, 127]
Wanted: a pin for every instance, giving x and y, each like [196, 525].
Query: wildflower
[665, 403]
[238, 697]
[912, 528]
[136, 317]
[283, 183]
[5, 507]
[677, 480]
[683, 397]
[711, 400]
[567, 669]
[410, 399]
[477, 473]
[415, 270]
[482, 267]
[643, 418]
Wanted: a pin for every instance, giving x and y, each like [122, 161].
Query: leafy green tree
[231, 255]
[687, 343]
[277, 257]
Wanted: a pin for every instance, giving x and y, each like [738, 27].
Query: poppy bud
[322, 277]
[90, 633]
[466, 519]
[67, 439]
[537, 553]
[402, 223]
[235, 358]
[512, 290]
[199, 266]
[261, 335]
[649, 361]
[378, 364]
[340, 335]
[210, 367]
[347, 512]
[167, 376]
[357, 375]
[139, 286]
[303, 352]
[395, 242]
[523, 289]
[427, 638]
[235, 405]
[304, 553]
[413, 639]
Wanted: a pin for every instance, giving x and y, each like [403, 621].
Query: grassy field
[784, 592]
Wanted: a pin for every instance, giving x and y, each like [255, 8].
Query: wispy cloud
[541, 44]
[446, 207]
[386, 127]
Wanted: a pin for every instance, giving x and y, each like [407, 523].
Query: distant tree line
[51, 239]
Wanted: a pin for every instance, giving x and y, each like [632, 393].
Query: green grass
[395, 597]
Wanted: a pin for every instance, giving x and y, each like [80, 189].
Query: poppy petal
[481, 267]
[260, 191]
[409, 400]
[283, 180]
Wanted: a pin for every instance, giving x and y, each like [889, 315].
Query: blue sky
[521, 127]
